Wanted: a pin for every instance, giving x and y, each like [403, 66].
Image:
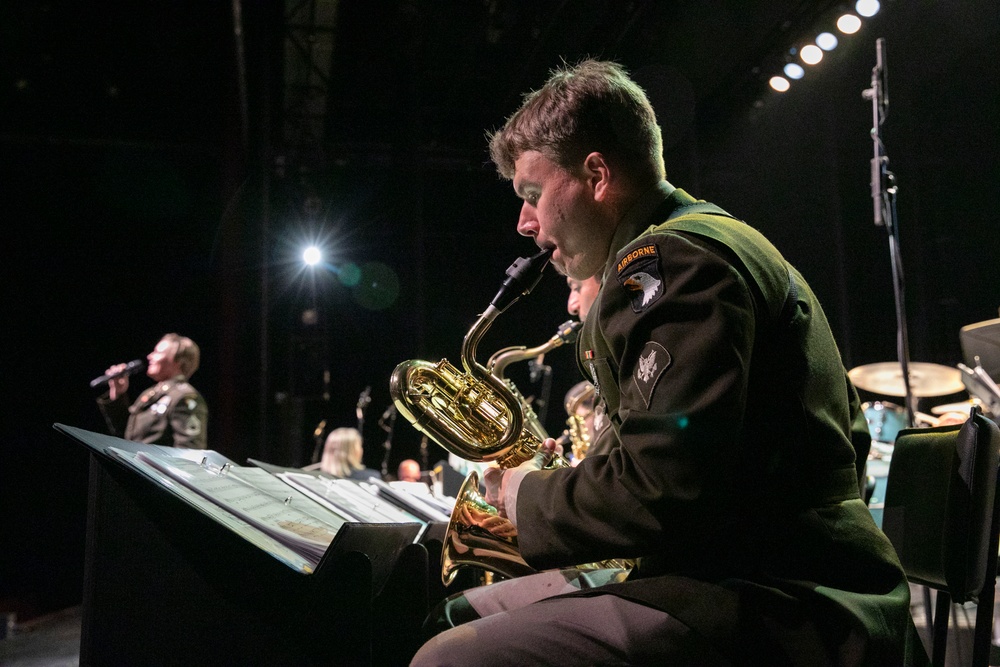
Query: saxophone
[497, 364]
[578, 434]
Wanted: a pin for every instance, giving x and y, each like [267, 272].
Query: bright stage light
[312, 255]
[826, 41]
[867, 8]
[779, 83]
[848, 24]
[811, 54]
[794, 71]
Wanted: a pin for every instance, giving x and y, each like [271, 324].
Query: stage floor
[54, 640]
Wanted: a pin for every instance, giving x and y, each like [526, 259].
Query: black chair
[941, 514]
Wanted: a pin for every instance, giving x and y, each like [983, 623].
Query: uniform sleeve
[189, 422]
[115, 413]
[680, 354]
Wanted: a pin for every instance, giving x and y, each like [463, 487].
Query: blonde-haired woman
[342, 455]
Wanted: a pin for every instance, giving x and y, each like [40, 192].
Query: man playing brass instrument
[586, 421]
[753, 544]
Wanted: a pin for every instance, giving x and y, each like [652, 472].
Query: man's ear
[598, 175]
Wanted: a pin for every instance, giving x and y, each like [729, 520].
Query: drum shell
[885, 420]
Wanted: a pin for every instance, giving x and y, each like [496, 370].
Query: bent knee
[457, 646]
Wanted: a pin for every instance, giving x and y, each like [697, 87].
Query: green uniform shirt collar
[637, 219]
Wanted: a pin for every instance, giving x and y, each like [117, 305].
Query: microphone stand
[423, 453]
[884, 190]
[318, 438]
[537, 368]
[388, 416]
[363, 400]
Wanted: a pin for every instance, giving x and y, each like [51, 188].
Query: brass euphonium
[478, 416]
[473, 414]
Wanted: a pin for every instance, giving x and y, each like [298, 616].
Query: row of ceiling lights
[812, 54]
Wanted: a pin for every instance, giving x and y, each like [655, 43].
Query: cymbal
[961, 406]
[925, 379]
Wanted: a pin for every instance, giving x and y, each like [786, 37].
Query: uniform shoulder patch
[653, 361]
[639, 273]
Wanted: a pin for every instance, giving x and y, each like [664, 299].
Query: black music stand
[981, 341]
[165, 583]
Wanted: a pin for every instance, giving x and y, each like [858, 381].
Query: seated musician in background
[578, 439]
[581, 296]
[171, 412]
[342, 455]
[751, 542]
[588, 430]
[408, 470]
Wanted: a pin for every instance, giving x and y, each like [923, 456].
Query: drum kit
[927, 380]
[886, 419]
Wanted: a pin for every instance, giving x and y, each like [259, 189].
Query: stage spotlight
[811, 54]
[826, 41]
[867, 8]
[779, 83]
[312, 255]
[848, 24]
[794, 71]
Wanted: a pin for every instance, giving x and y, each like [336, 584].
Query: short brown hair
[591, 106]
[187, 356]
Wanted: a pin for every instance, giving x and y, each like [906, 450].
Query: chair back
[939, 505]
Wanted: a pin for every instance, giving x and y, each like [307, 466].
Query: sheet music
[242, 528]
[413, 503]
[281, 490]
[424, 492]
[287, 524]
[349, 497]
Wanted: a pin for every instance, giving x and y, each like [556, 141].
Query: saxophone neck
[566, 333]
[501, 359]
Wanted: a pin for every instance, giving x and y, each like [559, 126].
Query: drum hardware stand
[884, 190]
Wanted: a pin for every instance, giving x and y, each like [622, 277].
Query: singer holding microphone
[171, 412]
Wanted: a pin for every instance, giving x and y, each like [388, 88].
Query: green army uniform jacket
[170, 413]
[733, 481]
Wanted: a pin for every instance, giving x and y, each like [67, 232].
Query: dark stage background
[157, 174]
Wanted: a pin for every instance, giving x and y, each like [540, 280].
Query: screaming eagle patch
[639, 273]
[653, 361]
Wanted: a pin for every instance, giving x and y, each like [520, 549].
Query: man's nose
[527, 225]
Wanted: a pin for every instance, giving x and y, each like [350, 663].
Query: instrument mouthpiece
[522, 276]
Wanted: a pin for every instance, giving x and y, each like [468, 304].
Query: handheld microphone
[131, 368]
